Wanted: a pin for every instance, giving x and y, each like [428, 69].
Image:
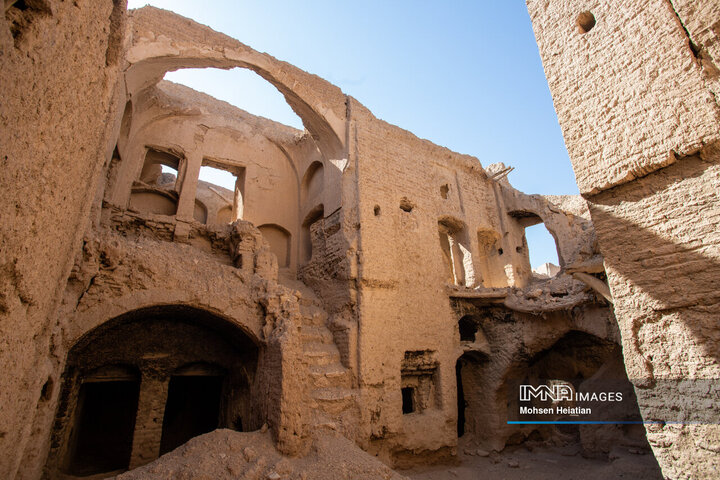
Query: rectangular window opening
[408, 400]
[220, 192]
[160, 170]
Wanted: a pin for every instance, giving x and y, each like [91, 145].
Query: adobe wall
[60, 65]
[636, 99]
[392, 242]
[411, 191]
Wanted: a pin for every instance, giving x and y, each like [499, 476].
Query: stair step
[317, 334]
[321, 353]
[333, 395]
[306, 301]
[314, 317]
[330, 375]
[333, 400]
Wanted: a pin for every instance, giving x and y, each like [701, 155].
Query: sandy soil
[542, 463]
[225, 454]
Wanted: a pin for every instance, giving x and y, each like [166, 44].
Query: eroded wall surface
[440, 237]
[60, 67]
[351, 259]
[635, 91]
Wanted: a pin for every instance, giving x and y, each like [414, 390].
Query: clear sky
[464, 74]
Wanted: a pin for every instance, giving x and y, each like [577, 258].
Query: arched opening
[200, 212]
[240, 87]
[469, 379]
[224, 215]
[312, 183]
[311, 233]
[587, 365]
[455, 246]
[542, 250]
[160, 170]
[535, 249]
[184, 372]
[279, 240]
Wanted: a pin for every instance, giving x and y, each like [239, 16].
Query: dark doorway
[408, 402]
[192, 408]
[105, 426]
[468, 329]
[461, 403]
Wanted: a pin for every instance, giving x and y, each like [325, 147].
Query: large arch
[159, 44]
[144, 382]
[215, 304]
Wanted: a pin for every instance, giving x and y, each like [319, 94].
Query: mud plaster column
[186, 203]
[149, 419]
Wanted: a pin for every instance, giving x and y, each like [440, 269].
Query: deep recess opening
[461, 403]
[192, 409]
[468, 329]
[444, 189]
[585, 22]
[408, 400]
[406, 205]
[203, 379]
[315, 215]
[105, 426]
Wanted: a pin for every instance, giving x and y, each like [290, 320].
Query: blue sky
[464, 74]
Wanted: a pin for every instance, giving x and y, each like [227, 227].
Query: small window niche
[311, 232]
[279, 240]
[444, 190]
[468, 329]
[219, 198]
[313, 183]
[419, 382]
[456, 250]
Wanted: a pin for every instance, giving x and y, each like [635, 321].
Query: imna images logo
[558, 391]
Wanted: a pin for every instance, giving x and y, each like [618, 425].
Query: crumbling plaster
[402, 238]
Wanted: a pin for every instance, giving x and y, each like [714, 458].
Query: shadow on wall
[682, 282]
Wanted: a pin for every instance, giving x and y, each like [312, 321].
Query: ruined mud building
[358, 278]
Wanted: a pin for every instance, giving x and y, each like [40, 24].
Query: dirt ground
[228, 455]
[542, 463]
[225, 454]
